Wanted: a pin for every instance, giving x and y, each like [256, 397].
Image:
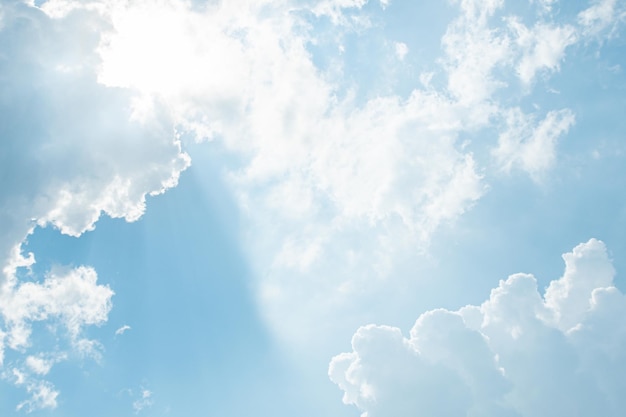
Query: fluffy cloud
[327, 165]
[324, 172]
[364, 182]
[328, 176]
[67, 301]
[473, 50]
[72, 151]
[517, 354]
[543, 47]
[74, 298]
[530, 145]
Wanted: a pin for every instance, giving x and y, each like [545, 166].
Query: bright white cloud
[473, 50]
[326, 164]
[43, 395]
[95, 157]
[530, 145]
[324, 175]
[586, 268]
[39, 365]
[543, 47]
[71, 300]
[72, 297]
[74, 152]
[517, 354]
[330, 180]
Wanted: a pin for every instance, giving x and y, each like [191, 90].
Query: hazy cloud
[529, 144]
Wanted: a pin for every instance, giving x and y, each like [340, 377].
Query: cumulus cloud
[73, 298]
[327, 176]
[68, 301]
[72, 151]
[517, 354]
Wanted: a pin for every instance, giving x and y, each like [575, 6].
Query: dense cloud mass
[73, 150]
[70, 151]
[517, 354]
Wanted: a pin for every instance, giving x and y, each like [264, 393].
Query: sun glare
[166, 50]
[149, 51]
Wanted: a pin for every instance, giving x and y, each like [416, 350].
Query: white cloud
[542, 47]
[323, 166]
[20, 377]
[326, 178]
[603, 14]
[517, 354]
[43, 395]
[401, 50]
[145, 400]
[95, 156]
[379, 178]
[530, 145]
[324, 175]
[586, 268]
[122, 330]
[473, 50]
[73, 152]
[67, 301]
[72, 297]
[39, 365]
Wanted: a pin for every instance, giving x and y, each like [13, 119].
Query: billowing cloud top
[517, 354]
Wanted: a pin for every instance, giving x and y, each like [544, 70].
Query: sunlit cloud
[520, 353]
[348, 153]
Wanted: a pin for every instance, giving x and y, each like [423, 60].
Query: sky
[321, 208]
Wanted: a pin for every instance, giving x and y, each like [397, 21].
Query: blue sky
[317, 208]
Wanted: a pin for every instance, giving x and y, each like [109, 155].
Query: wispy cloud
[144, 401]
[122, 330]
